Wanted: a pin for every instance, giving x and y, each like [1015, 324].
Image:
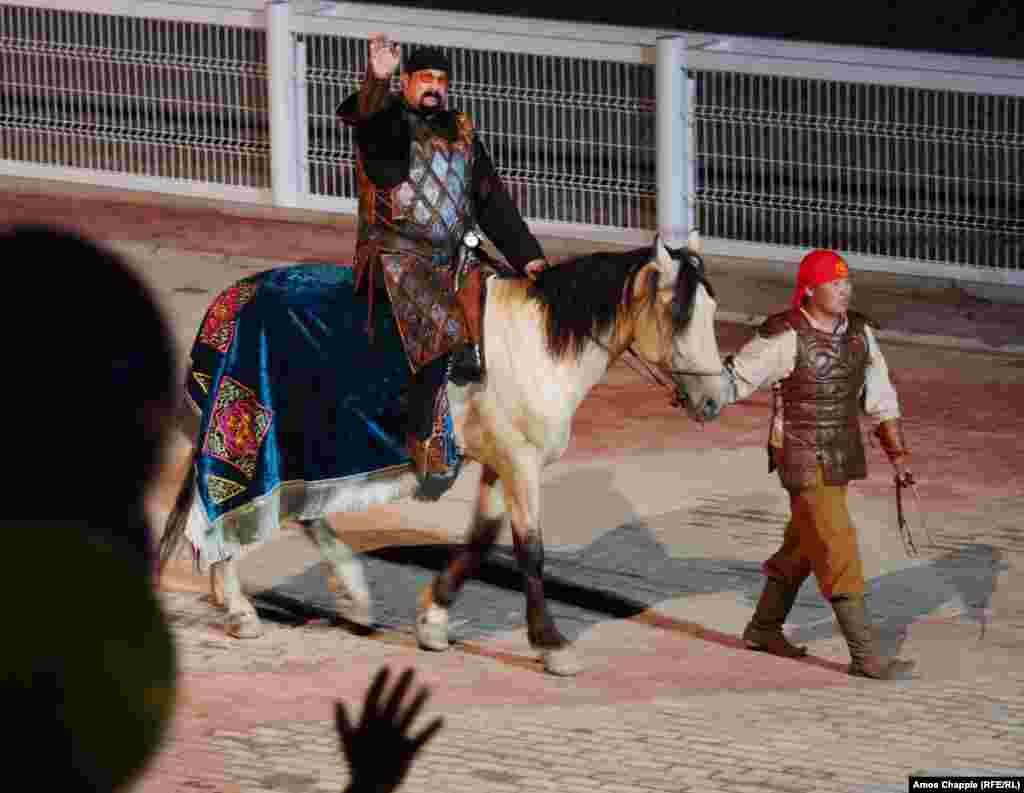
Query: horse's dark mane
[581, 296]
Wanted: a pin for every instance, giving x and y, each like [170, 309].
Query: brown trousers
[820, 538]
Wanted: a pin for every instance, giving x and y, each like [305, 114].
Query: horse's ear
[695, 243]
[667, 266]
[646, 283]
[661, 254]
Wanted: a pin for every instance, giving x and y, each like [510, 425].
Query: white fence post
[688, 150]
[674, 212]
[301, 118]
[280, 67]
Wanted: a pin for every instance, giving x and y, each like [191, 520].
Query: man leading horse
[425, 181]
[826, 366]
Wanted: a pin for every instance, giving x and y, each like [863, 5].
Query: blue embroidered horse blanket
[301, 413]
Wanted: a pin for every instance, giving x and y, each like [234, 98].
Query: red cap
[818, 267]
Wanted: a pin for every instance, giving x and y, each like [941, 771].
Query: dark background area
[984, 28]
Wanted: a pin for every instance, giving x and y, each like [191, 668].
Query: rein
[677, 393]
[679, 397]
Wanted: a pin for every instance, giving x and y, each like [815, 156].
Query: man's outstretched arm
[499, 217]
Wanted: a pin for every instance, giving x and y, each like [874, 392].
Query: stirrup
[433, 485]
[435, 475]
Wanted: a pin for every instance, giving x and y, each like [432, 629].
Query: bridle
[677, 392]
[655, 374]
[678, 396]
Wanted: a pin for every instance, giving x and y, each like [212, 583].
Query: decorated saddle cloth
[301, 414]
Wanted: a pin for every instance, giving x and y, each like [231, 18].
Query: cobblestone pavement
[668, 700]
[257, 717]
[672, 519]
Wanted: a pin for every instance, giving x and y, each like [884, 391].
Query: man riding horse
[425, 181]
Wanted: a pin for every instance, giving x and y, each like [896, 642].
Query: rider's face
[426, 89]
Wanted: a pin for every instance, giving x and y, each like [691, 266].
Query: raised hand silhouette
[379, 749]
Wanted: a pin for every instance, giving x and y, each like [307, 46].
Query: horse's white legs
[437, 597]
[242, 621]
[522, 489]
[343, 572]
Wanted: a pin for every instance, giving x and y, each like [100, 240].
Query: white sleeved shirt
[764, 362]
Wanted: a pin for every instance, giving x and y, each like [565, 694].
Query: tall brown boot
[764, 631]
[851, 612]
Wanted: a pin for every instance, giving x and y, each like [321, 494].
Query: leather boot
[468, 361]
[467, 365]
[764, 631]
[851, 612]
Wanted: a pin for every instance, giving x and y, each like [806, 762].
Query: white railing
[567, 113]
[123, 99]
[906, 162]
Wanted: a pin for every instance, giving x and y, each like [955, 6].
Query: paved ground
[655, 529]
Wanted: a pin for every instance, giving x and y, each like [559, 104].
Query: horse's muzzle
[708, 410]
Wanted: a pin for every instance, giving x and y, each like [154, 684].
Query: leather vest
[429, 211]
[822, 401]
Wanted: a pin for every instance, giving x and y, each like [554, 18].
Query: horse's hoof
[432, 629]
[351, 595]
[561, 661]
[431, 623]
[244, 625]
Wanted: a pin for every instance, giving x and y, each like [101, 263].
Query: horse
[547, 342]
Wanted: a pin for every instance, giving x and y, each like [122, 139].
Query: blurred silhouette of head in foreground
[89, 665]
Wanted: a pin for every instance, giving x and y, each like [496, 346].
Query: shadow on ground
[623, 573]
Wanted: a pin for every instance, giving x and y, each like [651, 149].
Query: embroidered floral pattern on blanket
[237, 427]
[219, 326]
[429, 319]
[204, 381]
[221, 489]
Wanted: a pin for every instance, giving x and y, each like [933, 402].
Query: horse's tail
[174, 529]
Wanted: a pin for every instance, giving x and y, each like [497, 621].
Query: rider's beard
[438, 103]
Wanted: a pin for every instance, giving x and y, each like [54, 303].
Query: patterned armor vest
[430, 210]
[821, 400]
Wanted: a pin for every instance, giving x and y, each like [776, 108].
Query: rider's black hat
[427, 58]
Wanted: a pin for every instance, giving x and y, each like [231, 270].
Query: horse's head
[674, 325]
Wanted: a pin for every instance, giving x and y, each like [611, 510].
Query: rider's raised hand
[378, 749]
[384, 56]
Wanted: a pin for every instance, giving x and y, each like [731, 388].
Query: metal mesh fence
[878, 170]
[873, 169]
[150, 97]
